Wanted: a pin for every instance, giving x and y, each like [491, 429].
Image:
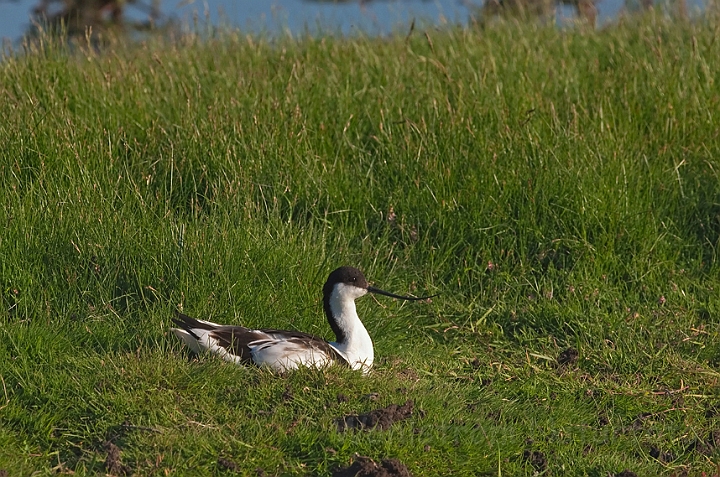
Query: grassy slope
[229, 177]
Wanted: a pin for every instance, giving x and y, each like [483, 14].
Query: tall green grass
[558, 188]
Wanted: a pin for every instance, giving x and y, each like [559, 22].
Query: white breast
[357, 347]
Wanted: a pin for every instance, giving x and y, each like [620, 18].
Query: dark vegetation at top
[82, 18]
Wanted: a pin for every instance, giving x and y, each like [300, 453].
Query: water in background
[275, 16]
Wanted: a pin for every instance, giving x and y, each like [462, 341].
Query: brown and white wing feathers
[281, 350]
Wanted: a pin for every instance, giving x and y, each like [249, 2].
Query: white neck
[357, 347]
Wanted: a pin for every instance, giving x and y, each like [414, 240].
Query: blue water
[373, 17]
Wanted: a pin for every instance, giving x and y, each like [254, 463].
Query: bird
[287, 350]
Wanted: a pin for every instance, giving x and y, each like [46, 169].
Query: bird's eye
[354, 279]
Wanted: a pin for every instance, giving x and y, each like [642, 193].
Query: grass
[559, 188]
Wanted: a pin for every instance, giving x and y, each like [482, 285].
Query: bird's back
[278, 349]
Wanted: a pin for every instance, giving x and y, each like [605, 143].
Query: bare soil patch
[568, 357]
[664, 457]
[227, 464]
[537, 459]
[366, 467]
[379, 418]
[113, 463]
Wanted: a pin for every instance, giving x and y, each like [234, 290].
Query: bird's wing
[276, 348]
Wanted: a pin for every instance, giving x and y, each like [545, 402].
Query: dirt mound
[568, 357]
[366, 467]
[227, 464]
[113, 465]
[537, 459]
[664, 457]
[380, 418]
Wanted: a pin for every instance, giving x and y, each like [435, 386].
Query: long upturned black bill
[383, 292]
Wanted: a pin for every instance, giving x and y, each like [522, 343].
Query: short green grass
[558, 187]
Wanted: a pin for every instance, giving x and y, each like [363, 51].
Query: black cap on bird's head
[354, 277]
[347, 276]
